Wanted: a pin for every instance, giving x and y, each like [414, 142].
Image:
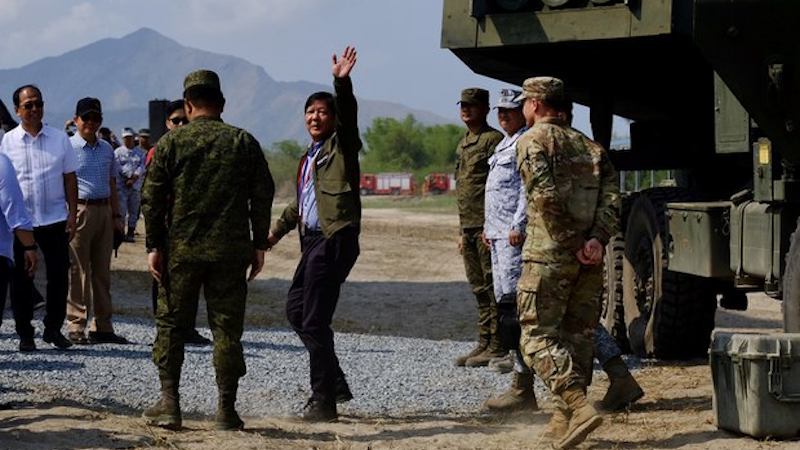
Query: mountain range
[126, 73]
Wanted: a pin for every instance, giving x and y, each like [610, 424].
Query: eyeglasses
[31, 105]
[179, 120]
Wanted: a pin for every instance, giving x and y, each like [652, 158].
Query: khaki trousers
[90, 270]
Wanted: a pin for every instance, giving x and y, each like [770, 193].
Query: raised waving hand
[344, 64]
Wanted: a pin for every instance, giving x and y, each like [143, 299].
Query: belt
[305, 231]
[93, 201]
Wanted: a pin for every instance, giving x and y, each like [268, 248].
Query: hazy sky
[398, 41]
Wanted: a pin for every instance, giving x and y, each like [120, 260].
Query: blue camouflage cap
[508, 99]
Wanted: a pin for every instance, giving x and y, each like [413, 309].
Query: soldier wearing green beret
[472, 169]
[209, 185]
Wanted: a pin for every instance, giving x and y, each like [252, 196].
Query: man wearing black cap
[98, 216]
[209, 185]
[472, 169]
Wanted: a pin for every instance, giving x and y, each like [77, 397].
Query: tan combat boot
[502, 365]
[167, 412]
[482, 344]
[226, 417]
[559, 422]
[493, 350]
[584, 418]
[519, 396]
[623, 390]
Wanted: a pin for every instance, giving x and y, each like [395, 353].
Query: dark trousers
[324, 265]
[53, 241]
[5, 279]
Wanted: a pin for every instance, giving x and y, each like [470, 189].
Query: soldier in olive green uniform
[209, 185]
[573, 209]
[472, 168]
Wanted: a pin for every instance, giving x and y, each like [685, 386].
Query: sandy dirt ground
[409, 265]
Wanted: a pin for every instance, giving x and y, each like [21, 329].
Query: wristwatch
[30, 247]
[152, 249]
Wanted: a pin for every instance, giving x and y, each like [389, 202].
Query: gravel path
[389, 376]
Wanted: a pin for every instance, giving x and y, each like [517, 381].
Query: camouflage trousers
[558, 308]
[506, 267]
[478, 265]
[225, 290]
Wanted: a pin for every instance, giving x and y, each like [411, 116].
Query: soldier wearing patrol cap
[472, 168]
[209, 185]
[573, 210]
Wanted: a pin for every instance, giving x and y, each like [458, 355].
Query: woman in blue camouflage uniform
[504, 233]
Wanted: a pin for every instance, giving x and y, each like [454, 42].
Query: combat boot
[623, 390]
[501, 365]
[226, 417]
[558, 425]
[519, 396]
[583, 417]
[482, 344]
[167, 412]
[493, 350]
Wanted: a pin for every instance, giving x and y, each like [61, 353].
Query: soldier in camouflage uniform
[472, 168]
[573, 210]
[209, 185]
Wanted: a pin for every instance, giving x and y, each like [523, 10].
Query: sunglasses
[31, 105]
[179, 120]
[91, 118]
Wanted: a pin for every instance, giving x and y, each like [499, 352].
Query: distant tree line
[390, 145]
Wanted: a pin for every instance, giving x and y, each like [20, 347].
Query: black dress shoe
[106, 337]
[78, 338]
[196, 338]
[27, 345]
[57, 339]
[319, 411]
[343, 393]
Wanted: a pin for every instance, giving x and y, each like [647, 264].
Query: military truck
[712, 90]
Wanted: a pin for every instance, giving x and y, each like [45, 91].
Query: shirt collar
[314, 147]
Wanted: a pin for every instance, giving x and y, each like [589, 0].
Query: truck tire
[364, 191]
[791, 284]
[612, 313]
[668, 315]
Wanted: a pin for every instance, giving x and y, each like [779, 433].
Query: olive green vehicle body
[712, 90]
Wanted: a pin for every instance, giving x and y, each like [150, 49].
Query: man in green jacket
[327, 212]
[209, 185]
[472, 169]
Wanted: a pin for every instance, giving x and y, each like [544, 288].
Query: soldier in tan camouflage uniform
[209, 185]
[472, 169]
[573, 209]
